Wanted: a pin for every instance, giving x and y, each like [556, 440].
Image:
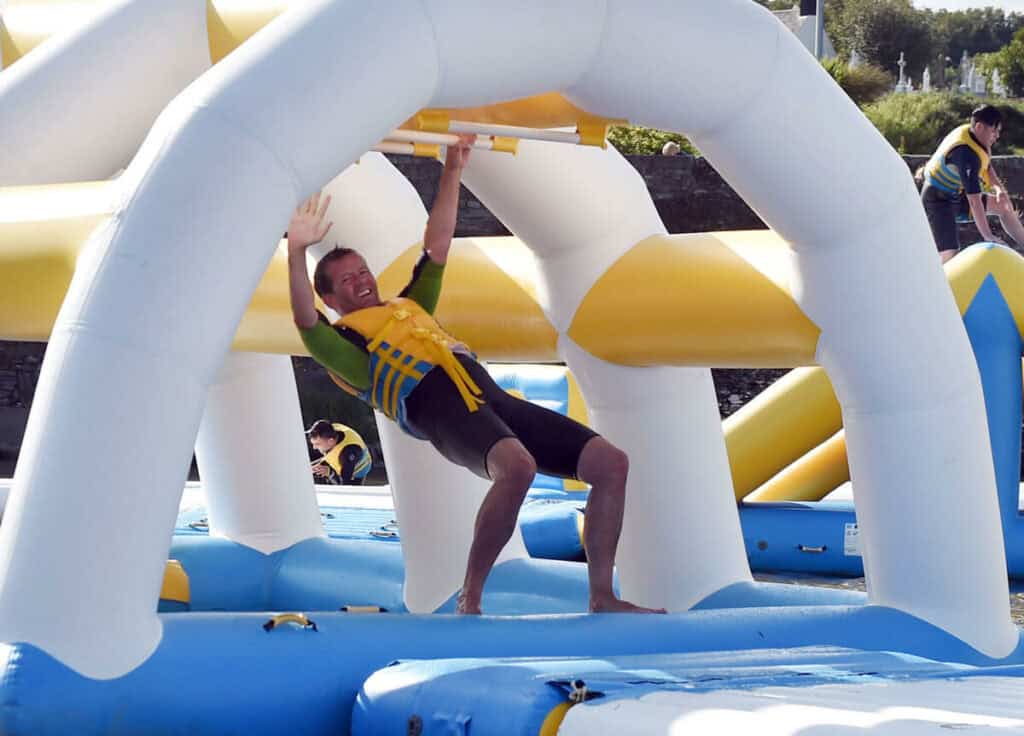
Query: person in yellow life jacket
[345, 458]
[396, 357]
[960, 173]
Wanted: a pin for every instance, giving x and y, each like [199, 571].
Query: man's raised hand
[307, 224]
[457, 155]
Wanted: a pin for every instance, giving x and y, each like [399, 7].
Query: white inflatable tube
[580, 209]
[77, 107]
[375, 210]
[887, 707]
[151, 312]
[144, 328]
[252, 456]
[768, 118]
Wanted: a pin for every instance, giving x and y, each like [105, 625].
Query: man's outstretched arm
[977, 206]
[305, 228]
[443, 215]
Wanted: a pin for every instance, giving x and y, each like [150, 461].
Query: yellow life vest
[350, 437]
[947, 178]
[405, 342]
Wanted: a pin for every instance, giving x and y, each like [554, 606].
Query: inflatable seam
[602, 38]
[232, 122]
[438, 59]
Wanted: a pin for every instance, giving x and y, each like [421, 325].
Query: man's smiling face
[353, 286]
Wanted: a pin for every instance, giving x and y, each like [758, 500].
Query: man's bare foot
[465, 606]
[617, 605]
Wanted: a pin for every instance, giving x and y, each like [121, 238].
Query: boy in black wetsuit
[395, 356]
[961, 168]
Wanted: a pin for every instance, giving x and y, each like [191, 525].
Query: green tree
[1009, 60]
[976, 31]
[879, 30]
[917, 123]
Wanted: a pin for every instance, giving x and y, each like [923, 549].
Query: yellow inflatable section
[782, 424]
[734, 311]
[710, 299]
[787, 444]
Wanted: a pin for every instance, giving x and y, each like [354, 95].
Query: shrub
[916, 123]
[864, 83]
[634, 140]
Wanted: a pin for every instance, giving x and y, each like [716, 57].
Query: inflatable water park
[152, 153]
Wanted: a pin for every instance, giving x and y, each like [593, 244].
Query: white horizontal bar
[441, 139]
[404, 149]
[514, 131]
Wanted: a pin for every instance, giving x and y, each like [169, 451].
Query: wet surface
[1016, 587]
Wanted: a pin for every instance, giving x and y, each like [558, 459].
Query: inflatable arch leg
[681, 540]
[239, 149]
[252, 456]
[580, 209]
[854, 272]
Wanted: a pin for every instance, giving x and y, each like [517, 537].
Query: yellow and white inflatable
[232, 138]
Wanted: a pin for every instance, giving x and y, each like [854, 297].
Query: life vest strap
[402, 367]
[396, 316]
[458, 374]
[941, 184]
[436, 345]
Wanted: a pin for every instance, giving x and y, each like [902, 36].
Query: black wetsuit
[437, 411]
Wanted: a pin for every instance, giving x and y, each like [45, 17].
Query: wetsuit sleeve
[349, 457]
[969, 164]
[337, 352]
[425, 286]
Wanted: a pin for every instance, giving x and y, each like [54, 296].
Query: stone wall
[19, 373]
[688, 193]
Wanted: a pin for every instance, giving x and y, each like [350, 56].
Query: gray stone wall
[688, 193]
[19, 373]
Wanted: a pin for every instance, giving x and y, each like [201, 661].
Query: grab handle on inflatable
[363, 609]
[812, 550]
[289, 618]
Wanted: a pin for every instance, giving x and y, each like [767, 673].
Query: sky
[1016, 6]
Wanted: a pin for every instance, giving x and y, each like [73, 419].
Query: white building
[804, 26]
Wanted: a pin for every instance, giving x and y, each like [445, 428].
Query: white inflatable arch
[158, 293]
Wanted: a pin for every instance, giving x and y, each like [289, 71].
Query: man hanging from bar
[395, 356]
